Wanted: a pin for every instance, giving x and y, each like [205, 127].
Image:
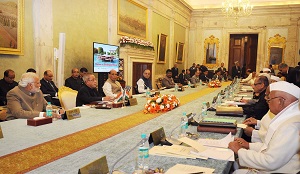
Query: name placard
[132, 101]
[1, 134]
[157, 136]
[73, 113]
[98, 166]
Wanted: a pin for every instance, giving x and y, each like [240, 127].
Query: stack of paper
[175, 151]
[217, 149]
[187, 169]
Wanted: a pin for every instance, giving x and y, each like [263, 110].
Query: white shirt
[107, 90]
[141, 86]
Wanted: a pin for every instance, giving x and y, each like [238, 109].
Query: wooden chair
[67, 97]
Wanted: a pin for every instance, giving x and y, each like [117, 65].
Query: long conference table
[65, 146]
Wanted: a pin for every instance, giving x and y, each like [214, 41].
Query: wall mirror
[211, 49]
[276, 48]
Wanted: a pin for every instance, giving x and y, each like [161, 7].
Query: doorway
[137, 72]
[243, 48]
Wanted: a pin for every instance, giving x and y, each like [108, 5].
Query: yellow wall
[179, 36]
[158, 28]
[21, 63]
[84, 22]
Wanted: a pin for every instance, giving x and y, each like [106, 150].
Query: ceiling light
[236, 8]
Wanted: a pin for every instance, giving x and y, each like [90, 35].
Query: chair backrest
[67, 97]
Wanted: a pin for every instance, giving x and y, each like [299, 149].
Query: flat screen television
[105, 57]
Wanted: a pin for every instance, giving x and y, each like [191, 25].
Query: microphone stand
[140, 142]
[193, 115]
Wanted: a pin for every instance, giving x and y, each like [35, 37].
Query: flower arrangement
[136, 42]
[214, 84]
[161, 103]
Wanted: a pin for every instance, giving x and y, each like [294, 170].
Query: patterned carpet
[36, 156]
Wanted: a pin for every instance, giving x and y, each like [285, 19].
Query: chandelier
[236, 8]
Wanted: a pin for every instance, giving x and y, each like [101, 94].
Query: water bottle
[204, 110]
[176, 87]
[148, 92]
[183, 125]
[200, 82]
[189, 84]
[142, 163]
[219, 100]
[49, 110]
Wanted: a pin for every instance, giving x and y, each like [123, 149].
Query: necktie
[52, 86]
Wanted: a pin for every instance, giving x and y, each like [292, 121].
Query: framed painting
[179, 52]
[11, 26]
[132, 19]
[162, 48]
[276, 49]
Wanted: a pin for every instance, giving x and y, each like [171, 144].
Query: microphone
[140, 142]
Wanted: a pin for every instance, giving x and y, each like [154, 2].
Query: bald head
[48, 75]
[75, 73]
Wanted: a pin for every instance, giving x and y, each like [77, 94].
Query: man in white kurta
[279, 152]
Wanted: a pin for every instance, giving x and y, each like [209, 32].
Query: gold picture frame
[11, 24]
[179, 52]
[132, 24]
[211, 50]
[162, 48]
[276, 49]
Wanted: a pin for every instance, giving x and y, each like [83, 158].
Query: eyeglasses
[256, 84]
[269, 99]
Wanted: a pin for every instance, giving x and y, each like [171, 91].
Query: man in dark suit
[88, 92]
[222, 69]
[236, 70]
[48, 87]
[175, 73]
[6, 84]
[257, 108]
[75, 81]
[292, 75]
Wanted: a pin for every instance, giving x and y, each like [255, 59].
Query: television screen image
[106, 57]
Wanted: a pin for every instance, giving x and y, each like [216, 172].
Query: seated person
[88, 92]
[257, 108]
[74, 82]
[279, 151]
[187, 75]
[250, 77]
[26, 100]
[203, 76]
[182, 78]
[144, 82]
[217, 75]
[48, 87]
[195, 79]
[168, 81]
[6, 84]
[83, 71]
[112, 88]
[227, 76]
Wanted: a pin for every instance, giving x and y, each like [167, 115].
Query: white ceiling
[202, 4]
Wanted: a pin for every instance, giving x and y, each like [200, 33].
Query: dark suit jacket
[259, 109]
[46, 88]
[87, 95]
[236, 72]
[293, 76]
[182, 79]
[4, 88]
[222, 70]
[174, 72]
[73, 83]
[204, 78]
